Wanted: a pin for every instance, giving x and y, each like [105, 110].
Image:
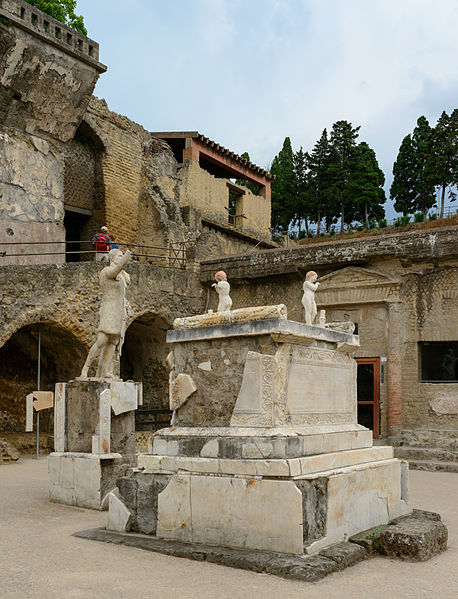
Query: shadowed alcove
[143, 359]
[62, 356]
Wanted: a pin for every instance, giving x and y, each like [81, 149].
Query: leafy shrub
[360, 228]
[405, 220]
[332, 232]
[309, 234]
[63, 11]
[301, 235]
[432, 216]
[382, 223]
[372, 223]
[419, 217]
[402, 221]
[293, 235]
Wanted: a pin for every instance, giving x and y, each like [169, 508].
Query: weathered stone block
[417, 537]
[344, 554]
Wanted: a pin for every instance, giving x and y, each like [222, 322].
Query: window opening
[438, 361]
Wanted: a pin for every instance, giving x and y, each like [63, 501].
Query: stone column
[394, 375]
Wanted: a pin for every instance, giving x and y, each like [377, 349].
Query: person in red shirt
[102, 243]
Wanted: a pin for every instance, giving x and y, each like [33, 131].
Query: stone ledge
[306, 568]
[293, 332]
[416, 537]
[274, 443]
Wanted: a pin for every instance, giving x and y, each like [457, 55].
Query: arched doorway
[143, 359]
[62, 356]
[83, 192]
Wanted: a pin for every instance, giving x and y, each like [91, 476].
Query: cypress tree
[322, 181]
[443, 158]
[301, 194]
[424, 186]
[283, 187]
[366, 186]
[402, 189]
[343, 140]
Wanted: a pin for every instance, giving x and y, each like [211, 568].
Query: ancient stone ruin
[265, 452]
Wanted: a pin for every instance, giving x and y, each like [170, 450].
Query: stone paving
[41, 560]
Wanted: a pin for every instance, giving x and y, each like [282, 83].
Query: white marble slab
[124, 397]
[118, 514]
[232, 512]
[29, 413]
[60, 439]
[360, 498]
[102, 443]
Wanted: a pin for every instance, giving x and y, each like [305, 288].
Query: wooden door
[369, 393]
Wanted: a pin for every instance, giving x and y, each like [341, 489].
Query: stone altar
[94, 439]
[265, 452]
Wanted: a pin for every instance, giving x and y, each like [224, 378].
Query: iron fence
[173, 256]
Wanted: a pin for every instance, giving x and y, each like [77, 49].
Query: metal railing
[173, 256]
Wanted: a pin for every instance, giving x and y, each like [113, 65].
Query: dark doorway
[369, 393]
[62, 357]
[143, 359]
[74, 222]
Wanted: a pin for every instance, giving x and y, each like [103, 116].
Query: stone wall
[65, 299]
[399, 290]
[432, 315]
[47, 74]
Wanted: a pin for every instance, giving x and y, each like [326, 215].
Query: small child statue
[308, 299]
[223, 289]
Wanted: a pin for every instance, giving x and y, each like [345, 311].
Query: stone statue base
[94, 439]
[265, 452]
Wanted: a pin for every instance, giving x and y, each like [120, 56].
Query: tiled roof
[215, 147]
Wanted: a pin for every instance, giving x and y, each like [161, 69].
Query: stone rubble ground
[41, 559]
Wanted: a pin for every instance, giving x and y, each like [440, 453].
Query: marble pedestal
[94, 440]
[265, 452]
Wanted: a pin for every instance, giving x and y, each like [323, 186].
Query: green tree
[322, 182]
[343, 141]
[402, 189]
[443, 157]
[301, 194]
[424, 185]
[63, 11]
[283, 187]
[249, 184]
[366, 186]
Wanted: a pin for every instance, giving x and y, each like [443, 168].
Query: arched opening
[83, 192]
[61, 359]
[143, 359]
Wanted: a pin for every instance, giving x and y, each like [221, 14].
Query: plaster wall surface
[210, 195]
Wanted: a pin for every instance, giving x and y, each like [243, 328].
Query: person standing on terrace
[102, 243]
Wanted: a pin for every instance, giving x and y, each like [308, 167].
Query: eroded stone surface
[308, 568]
[240, 315]
[416, 537]
[181, 388]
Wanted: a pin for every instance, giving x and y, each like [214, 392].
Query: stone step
[433, 466]
[430, 454]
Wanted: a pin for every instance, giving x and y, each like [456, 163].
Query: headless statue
[308, 298]
[223, 289]
[112, 324]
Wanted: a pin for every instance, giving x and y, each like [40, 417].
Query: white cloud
[250, 72]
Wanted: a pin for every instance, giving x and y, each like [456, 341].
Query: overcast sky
[248, 73]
